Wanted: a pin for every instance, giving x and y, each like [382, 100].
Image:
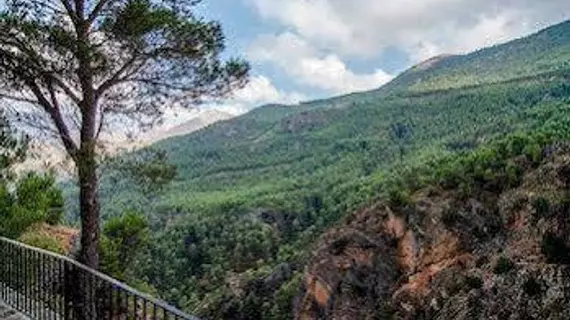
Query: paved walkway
[6, 313]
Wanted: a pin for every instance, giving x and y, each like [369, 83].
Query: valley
[247, 214]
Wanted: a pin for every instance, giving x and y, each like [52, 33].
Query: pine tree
[108, 61]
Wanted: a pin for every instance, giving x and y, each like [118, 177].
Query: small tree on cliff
[105, 60]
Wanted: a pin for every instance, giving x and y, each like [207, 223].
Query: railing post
[73, 297]
[76, 295]
[3, 264]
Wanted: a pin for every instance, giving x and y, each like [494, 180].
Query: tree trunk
[89, 205]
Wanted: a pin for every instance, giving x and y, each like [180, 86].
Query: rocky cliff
[491, 253]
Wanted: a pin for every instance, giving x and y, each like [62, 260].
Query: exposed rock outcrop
[488, 255]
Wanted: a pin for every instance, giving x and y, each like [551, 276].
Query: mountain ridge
[485, 58]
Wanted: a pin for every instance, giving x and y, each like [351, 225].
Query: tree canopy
[84, 66]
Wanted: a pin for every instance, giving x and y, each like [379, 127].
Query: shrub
[34, 199]
[54, 216]
[42, 241]
[450, 218]
[461, 145]
[385, 311]
[532, 287]
[284, 297]
[541, 207]
[473, 282]
[399, 197]
[465, 190]
[109, 258]
[533, 152]
[516, 144]
[503, 265]
[124, 239]
[481, 261]
[555, 249]
[38, 193]
[514, 174]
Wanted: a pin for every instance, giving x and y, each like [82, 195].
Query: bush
[461, 145]
[555, 249]
[514, 174]
[38, 193]
[532, 287]
[385, 310]
[34, 199]
[109, 258]
[541, 207]
[465, 190]
[284, 297]
[399, 197]
[473, 282]
[450, 218]
[123, 241]
[503, 265]
[53, 216]
[533, 152]
[19, 221]
[42, 241]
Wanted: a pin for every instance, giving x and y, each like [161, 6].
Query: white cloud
[307, 65]
[420, 27]
[259, 91]
[316, 19]
[331, 73]
[320, 35]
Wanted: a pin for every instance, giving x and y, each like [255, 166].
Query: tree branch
[97, 10]
[101, 123]
[55, 112]
[67, 5]
[47, 4]
[66, 89]
[80, 9]
[116, 78]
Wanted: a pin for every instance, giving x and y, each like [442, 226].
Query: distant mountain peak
[200, 121]
[426, 64]
[50, 155]
[540, 53]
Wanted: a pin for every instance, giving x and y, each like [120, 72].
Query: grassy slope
[315, 162]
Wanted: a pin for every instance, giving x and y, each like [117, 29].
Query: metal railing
[48, 286]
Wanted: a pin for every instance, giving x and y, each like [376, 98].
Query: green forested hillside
[231, 232]
[542, 52]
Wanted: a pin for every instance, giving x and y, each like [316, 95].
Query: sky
[310, 49]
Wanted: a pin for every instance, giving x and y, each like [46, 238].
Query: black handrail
[48, 286]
